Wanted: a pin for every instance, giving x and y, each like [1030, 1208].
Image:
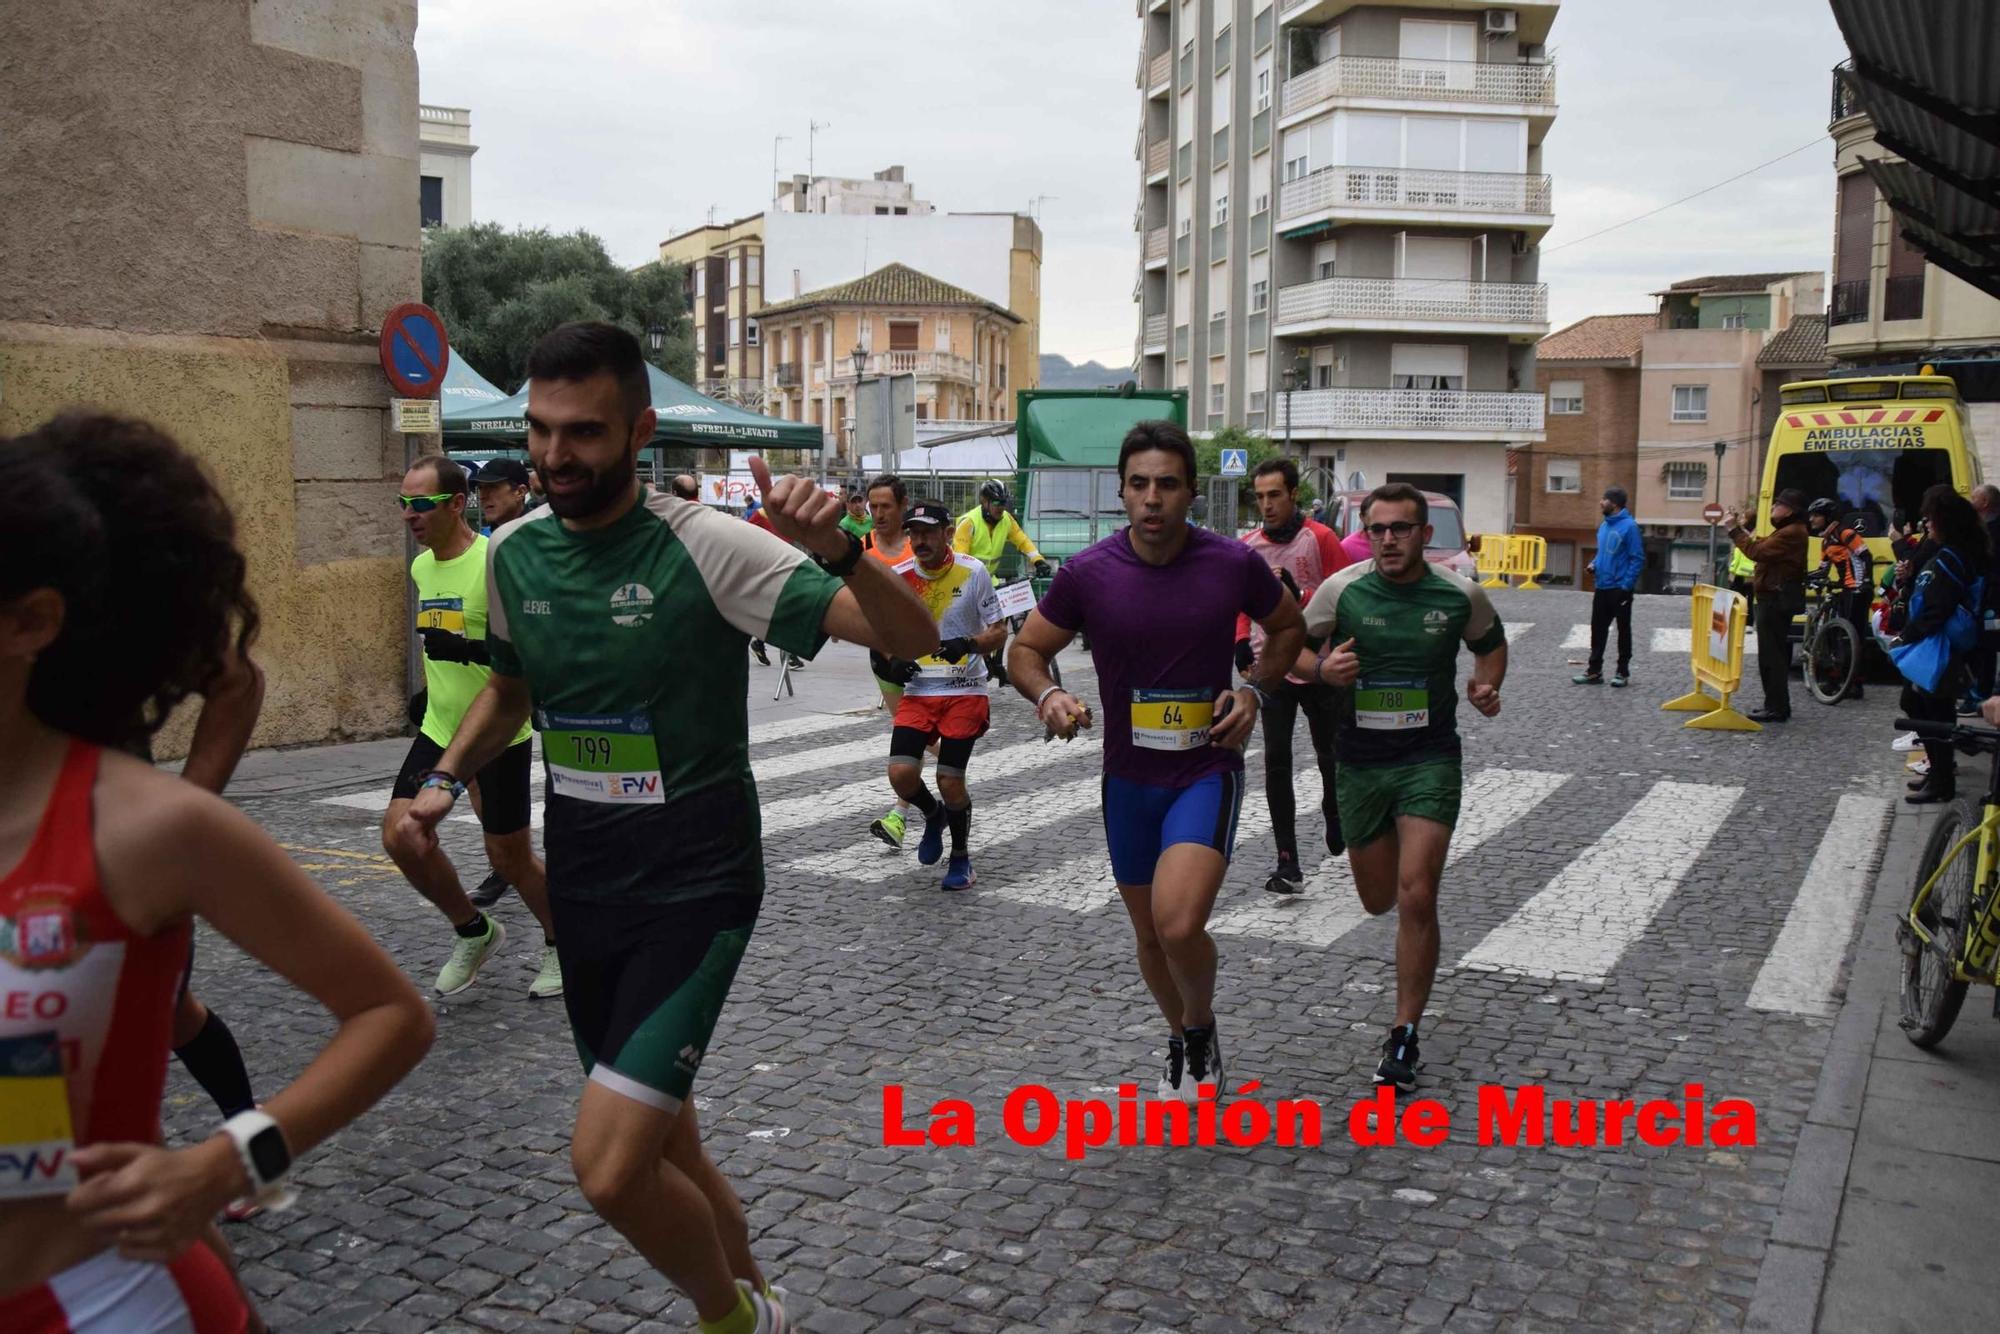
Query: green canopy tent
[687, 420]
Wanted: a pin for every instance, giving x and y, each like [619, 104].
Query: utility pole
[776, 139]
[813, 127]
[1714, 569]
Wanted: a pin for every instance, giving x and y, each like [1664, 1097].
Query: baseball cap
[926, 511]
[494, 471]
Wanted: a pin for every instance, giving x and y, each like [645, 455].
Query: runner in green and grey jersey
[622, 616]
[1397, 622]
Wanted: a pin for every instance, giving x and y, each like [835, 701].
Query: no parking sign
[414, 349]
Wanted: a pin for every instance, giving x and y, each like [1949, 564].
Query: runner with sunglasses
[450, 575]
[1396, 623]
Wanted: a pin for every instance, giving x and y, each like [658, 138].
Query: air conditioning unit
[1502, 22]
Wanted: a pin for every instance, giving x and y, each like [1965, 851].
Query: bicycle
[1830, 648]
[1949, 936]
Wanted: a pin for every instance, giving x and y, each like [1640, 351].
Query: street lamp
[656, 337]
[1714, 569]
[860, 358]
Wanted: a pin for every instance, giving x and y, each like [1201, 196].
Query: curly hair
[113, 515]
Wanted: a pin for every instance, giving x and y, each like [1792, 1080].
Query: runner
[888, 542]
[1396, 623]
[503, 494]
[856, 519]
[110, 859]
[944, 696]
[1159, 601]
[985, 533]
[452, 606]
[622, 613]
[1302, 553]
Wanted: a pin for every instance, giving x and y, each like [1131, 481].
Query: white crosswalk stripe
[1583, 921]
[1579, 637]
[847, 800]
[1799, 973]
[1667, 639]
[790, 729]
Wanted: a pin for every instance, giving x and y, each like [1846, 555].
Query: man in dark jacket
[1779, 587]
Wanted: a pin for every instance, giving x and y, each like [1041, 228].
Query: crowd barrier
[1503, 556]
[1715, 652]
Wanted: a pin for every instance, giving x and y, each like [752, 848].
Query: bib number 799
[591, 751]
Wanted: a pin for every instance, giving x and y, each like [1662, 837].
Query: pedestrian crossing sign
[1235, 462]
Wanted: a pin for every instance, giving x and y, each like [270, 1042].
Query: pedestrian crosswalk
[1664, 639]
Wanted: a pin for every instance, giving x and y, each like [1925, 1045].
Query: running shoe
[958, 873]
[1587, 679]
[1288, 878]
[468, 955]
[1620, 679]
[1907, 741]
[931, 846]
[1399, 1059]
[889, 829]
[1172, 1087]
[1204, 1059]
[771, 1318]
[757, 652]
[795, 662]
[548, 982]
[490, 890]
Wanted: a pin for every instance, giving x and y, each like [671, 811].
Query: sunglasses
[1378, 531]
[423, 504]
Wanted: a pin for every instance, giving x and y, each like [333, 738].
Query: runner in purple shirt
[1159, 601]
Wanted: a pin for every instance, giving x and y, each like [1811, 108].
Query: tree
[1208, 457]
[498, 291]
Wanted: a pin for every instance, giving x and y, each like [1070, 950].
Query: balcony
[1526, 90]
[923, 365]
[1849, 302]
[1407, 194]
[1533, 18]
[1903, 296]
[1159, 74]
[1845, 103]
[1411, 414]
[788, 375]
[1156, 248]
[1413, 305]
[1158, 158]
[1154, 338]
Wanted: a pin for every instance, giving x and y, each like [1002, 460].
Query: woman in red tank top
[121, 590]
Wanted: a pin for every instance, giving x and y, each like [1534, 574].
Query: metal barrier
[1716, 654]
[1502, 556]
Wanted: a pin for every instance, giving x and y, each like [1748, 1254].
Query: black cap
[926, 511]
[494, 471]
[1792, 499]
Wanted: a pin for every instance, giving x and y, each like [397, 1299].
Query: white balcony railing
[1362, 411]
[1413, 300]
[1392, 188]
[1156, 331]
[1421, 80]
[1159, 68]
[1157, 157]
[927, 365]
[1156, 245]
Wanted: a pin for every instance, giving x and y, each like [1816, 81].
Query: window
[1687, 481]
[1256, 400]
[1216, 394]
[1426, 366]
[1221, 209]
[750, 333]
[819, 345]
[881, 210]
[1325, 364]
[431, 198]
[1323, 256]
[755, 273]
[943, 335]
[1690, 402]
[735, 273]
[1565, 476]
[1222, 49]
[1262, 205]
[700, 280]
[901, 211]
[735, 332]
[1737, 321]
[1565, 398]
[1260, 295]
[1263, 102]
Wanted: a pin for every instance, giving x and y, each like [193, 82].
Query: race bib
[36, 1142]
[602, 757]
[1392, 704]
[441, 614]
[969, 671]
[1171, 719]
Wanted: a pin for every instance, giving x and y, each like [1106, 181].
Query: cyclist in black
[1848, 568]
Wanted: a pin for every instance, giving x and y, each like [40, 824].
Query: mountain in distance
[1059, 373]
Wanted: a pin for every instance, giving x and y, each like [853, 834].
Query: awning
[686, 419]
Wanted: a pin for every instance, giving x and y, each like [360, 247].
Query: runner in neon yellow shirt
[985, 534]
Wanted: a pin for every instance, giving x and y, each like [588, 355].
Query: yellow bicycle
[1950, 934]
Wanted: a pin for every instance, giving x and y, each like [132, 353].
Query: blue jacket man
[1620, 560]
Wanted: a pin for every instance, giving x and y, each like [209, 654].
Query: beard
[606, 489]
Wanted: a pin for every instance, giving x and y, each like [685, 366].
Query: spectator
[1778, 583]
[1986, 500]
[686, 487]
[1961, 557]
[857, 520]
[1620, 560]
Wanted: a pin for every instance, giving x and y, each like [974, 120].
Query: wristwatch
[843, 567]
[267, 1159]
[439, 778]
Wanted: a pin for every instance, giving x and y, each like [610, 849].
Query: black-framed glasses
[1399, 530]
[424, 504]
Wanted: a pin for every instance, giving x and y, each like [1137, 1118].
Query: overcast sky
[632, 118]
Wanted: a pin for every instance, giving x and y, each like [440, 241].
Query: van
[1873, 444]
[1448, 546]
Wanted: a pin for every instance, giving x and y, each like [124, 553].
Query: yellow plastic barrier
[1504, 555]
[1716, 654]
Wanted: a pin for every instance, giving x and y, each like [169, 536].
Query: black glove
[954, 650]
[1043, 569]
[444, 646]
[1244, 657]
[902, 671]
[1285, 578]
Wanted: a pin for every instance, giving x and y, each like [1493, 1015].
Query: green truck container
[1066, 448]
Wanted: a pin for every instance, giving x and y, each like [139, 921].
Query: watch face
[268, 1152]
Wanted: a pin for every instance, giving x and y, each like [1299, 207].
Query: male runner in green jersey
[1397, 622]
[621, 614]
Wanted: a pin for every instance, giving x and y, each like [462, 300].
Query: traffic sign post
[414, 350]
[1712, 512]
[1235, 462]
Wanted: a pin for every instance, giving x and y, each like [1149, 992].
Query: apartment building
[1351, 193]
[444, 165]
[885, 194]
[1589, 372]
[725, 291]
[894, 321]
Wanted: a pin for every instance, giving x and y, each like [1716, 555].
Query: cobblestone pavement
[1619, 889]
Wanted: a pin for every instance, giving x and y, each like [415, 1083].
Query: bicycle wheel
[1930, 996]
[1832, 656]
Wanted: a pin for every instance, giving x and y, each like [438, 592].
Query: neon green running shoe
[468, 955]
[889, 829]
[548, 983]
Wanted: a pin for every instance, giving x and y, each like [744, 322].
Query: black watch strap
[845, 566]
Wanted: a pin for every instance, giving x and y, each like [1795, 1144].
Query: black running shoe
[1399, 1059]
[1336, 842]
[1204, 1059]
[757, 652]
[1288, 878]
[491, 890]
[1172, 1087]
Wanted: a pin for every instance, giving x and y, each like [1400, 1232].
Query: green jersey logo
[631, 604]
